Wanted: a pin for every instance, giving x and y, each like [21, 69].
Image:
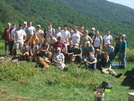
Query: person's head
[65, 27]
[49, 54]
[108, 32]
[35, 35]
[38, 27]
[59, 39]
[108, 44]
[25, 23]
[42, 40]
[50, 25]
[58, 49]
[58, 29]
[45, 42]
[88, 43]
[106, 56]
[30, 23]
[91, 54]
[120, 34]
[76, 46]
[24, 45]
[51, 37]
[93, 29]
[20, 26]
[14, 25]
[97, 33]
[86, 32]
[82, 28]
[8, 25]
[98, 51]
[75, 29]
[71, 43]
[70, 28]
[123, 36]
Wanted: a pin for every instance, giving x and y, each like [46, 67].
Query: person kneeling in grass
[59, 60]
[90, 61]
[106, 66]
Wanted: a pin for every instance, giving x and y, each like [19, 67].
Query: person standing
[19, 38]
[92, 32]
[30, 30]
[76, 36]
[25, 26]
[107, 39]
[39, 32]
[122, 52]
[11, 41]
[65, 35]
[7, 37]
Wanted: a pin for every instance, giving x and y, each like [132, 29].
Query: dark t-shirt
[105, 64]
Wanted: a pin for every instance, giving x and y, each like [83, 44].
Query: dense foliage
[44, 11]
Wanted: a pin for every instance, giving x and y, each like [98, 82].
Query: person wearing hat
[30, 30]
[77, 54]
[92, 32]
[59, 58]
[90, 61]
[25, 26]
[88, 48]
[6, 37]
[39, 32]
[122, 52]
[106, 66]
[110, 51]
[107, 39]
[49, 31]
[19, 38]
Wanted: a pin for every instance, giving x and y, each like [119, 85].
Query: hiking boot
[65, 69]
[118, 75]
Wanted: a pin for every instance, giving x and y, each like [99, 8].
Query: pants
[60, 66]
[6, 46]
[116, 50]
[78, 59]
[122, 59]
[18, 45]
[11, 43]
[92, 66]
[111, 71]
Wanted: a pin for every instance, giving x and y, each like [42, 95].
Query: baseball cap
[39, 25]
[58, 48]
[93, 28]
[76, 45]
[25, 22]
[50, 23]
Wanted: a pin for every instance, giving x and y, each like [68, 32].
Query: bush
[130, 55]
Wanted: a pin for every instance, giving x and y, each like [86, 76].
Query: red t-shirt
[6, 34]
[59, 44]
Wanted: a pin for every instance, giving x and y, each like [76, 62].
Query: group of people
[65, 45]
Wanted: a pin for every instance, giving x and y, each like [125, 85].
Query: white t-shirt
[76, 38]
[52, 41]
[19, 34]
[58, 34]
[39, 34]
[50, 32]
[58, 57]
[65, 34]
[97, 40]
[12, 34]
[30, 31]
[107, 39]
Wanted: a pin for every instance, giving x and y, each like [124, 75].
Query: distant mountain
[102, 9]
[44, 11]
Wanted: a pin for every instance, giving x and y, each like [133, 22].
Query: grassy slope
[55, 85]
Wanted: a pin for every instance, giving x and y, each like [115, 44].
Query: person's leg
[87, 65]
[6, 44]
[123, 60]
[112, 72]
[93, 66]
[105, 71]
[116, 50]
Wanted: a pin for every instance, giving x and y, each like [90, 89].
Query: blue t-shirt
[91, 59]
[123, 44]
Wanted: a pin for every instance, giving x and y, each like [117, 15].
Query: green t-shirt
[77, 51]
[123, 44]
[43, 57]
[88, 49]
[105, 64]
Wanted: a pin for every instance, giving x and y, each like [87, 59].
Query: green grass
[25, 83]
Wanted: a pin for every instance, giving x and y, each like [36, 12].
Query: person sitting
[110, 51]
[58, 58]
[90, 62]
[88, 48]
[33, 38]
[24, 52]
[106, 66]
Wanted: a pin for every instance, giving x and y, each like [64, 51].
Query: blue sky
[129, 3]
